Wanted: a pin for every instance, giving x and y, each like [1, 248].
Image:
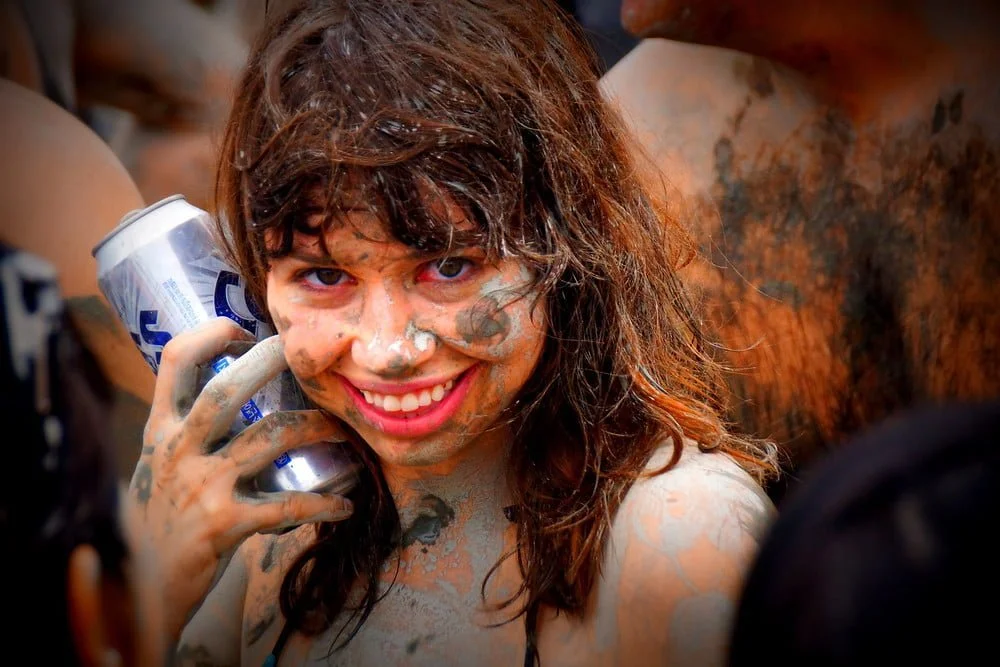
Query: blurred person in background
[62, 189]
[68, 568]
[152, 77]
[881, 556]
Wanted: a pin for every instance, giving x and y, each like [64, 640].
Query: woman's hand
[192, 503]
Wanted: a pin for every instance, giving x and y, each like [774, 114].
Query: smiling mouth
[412, 404]
[414, 413]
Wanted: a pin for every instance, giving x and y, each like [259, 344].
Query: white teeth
[408, 402]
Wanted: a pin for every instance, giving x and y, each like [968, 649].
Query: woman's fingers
[177, 379]
[274, 512]
[220, 401]
[277, 433]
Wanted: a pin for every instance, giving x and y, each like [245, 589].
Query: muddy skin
[142, 482]
[281, 322]
[267, 562]
[397, 367]
[433, 515]
[312, 384]
[194, 656]
[260, 627]
[757, 75]
[188, 387]
[307, 364]
[847, 209]
[352, 415]
[414, 644]
[884, 296]
[483, 322]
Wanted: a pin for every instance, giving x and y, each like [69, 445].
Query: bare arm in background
[62, 190]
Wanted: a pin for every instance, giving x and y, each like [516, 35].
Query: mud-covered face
[419, 353]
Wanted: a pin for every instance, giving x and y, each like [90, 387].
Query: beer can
[162, 273]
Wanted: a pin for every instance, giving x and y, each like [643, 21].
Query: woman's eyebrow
[322, 259]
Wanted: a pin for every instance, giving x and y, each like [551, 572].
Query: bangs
[427, 217]
[345, 122]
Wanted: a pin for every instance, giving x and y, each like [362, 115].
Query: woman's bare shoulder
[680, 546]
[702, 489]
[241, 615]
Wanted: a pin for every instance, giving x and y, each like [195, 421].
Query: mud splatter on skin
[194, 656]
[433, 516]
[944, 113]
[262, 626]
[281, 323]
[142, 482]
[413, 644]
[757, 73]
[860, 300]
[305, 364]
[267, 562]
[483, 322]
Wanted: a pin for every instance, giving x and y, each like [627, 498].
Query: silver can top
[131, 217]
[155, 221]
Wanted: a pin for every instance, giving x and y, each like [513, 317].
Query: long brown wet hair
[494, 104]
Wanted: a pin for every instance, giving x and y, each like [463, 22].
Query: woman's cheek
[311, 344]
[492, 330]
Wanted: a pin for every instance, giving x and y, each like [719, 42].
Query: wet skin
[845, 199]
[678, 548]
[377, 318]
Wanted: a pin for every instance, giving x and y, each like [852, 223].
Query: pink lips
[418, 423]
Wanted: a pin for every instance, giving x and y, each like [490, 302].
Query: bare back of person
[673, 565]
[845, 180]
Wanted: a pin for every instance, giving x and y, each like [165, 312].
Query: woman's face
[420, 354]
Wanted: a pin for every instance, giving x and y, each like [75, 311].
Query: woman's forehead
[360, 236]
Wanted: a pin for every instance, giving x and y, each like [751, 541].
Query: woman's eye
[447, 268]
[324, 277]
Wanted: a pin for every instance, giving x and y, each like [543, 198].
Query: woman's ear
[87, 614]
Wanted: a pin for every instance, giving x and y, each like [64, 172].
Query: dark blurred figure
[601, 22]
[152, 77]
[66, 562]
[879, 557]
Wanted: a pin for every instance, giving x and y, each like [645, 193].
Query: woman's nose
[388, 343]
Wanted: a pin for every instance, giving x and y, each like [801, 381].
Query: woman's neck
[466, 490]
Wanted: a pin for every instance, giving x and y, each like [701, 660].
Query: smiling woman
[416, 352]
[443, 219]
